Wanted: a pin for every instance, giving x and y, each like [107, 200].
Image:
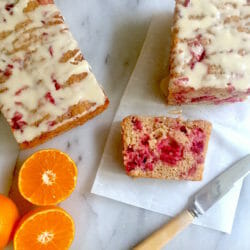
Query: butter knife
[200, 203]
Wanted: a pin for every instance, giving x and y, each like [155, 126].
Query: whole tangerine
[9, 217]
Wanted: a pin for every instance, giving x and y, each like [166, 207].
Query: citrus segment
[47, 177]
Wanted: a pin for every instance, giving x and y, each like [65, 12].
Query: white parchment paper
[229, 140]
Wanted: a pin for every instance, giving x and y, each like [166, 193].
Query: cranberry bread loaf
[210, 56]
[166, 148]
[46, 85]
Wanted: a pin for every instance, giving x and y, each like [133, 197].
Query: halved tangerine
[47, 177]
[49, 228]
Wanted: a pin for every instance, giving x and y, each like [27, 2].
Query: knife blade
[200, 203]
[218, 187]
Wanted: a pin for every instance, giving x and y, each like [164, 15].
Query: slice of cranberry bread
[163, 147]
[210, 56]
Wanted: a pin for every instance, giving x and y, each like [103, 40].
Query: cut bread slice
[163, 147]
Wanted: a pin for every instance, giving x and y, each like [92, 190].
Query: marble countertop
[111, 34]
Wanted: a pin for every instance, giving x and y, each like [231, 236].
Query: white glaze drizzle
[42, 68]
[224, 47]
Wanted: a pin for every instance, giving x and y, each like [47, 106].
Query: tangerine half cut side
[47, 177]
[45, 228]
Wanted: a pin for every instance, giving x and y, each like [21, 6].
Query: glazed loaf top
[42, 71]
[212, 44]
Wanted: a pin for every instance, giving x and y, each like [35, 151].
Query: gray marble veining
[111, 33]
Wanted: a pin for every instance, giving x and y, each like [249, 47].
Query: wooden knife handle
[160, 238]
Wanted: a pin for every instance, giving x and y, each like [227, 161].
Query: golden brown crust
[65, 127]
[172, 73]
[46, 1]
[33, 4]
